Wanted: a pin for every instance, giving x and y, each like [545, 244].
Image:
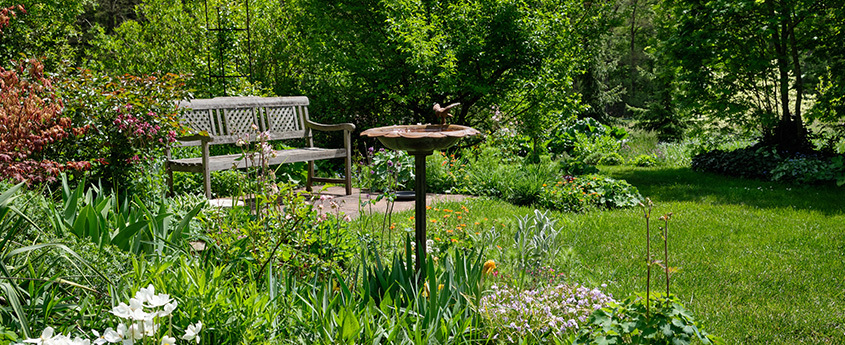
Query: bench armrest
[335, 127]
[195, 137]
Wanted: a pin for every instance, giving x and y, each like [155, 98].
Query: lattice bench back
[226, 119]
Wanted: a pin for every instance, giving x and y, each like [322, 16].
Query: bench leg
[206, 171]
[310, 180]
[348, 175]
[169, 180]
[347, 141]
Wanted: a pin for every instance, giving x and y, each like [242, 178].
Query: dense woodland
[770, 68]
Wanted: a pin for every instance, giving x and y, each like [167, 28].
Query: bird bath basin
[420, 141]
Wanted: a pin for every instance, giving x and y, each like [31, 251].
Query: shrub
[576, 167]
[632, 322]
[611, 159]
[32, 126]
[643, 161]
[751, 162]
[806, 169]
[584, 136]
[131, 119]
[574, 194]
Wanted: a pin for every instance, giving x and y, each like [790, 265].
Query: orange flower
[454, 240]
[477, 223]
[437, 239]
[490, 265]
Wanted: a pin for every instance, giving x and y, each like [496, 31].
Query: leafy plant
[387, 170]
[613, 158]
[30, 294]
[104, 220]
[131, 119]
[649, 318]
[631, 322]
[643, 161]
[576, 194]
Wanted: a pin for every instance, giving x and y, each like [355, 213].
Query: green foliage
[612, 158]
[48, 31]
[643, 161]
[132, 120]
[584, 137]
[34, 294]
[631, 322]
[577, 194]
[387, 170]
[574, 167]
[751, 162]
[537, 244]
[416, 53]
[754, 63]
[100, 217]
[803, 169]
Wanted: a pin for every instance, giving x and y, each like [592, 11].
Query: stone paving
[350, 204]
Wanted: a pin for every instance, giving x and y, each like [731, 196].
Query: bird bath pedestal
[419, 141]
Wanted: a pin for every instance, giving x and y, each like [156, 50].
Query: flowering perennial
[561, 309]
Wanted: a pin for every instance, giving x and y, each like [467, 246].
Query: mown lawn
[760, 263]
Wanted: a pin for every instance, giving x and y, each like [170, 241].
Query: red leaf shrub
[30, 123]
[7, 13]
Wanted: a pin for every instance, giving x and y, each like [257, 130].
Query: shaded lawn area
[760, 262]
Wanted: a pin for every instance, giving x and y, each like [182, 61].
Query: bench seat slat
[226, 162]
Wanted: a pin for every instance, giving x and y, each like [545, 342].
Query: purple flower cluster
[560, 309]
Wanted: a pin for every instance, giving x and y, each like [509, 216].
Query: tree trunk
[789, 134]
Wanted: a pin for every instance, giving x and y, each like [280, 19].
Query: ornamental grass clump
[561, 310]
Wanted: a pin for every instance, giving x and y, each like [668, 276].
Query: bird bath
[420, 141]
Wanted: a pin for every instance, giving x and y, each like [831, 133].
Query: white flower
[144, 293]
[134, 332]
[79, 341]
[148, 327]
[168, 340]
[168, 309]
[122, 311]
[159, 300]
[193, 332]
[109, 336]
[45, 338]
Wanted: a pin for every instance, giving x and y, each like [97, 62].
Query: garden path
[352, 204]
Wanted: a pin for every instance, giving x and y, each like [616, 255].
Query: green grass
[761, 263]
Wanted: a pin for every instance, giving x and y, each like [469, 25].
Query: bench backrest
[226, 119]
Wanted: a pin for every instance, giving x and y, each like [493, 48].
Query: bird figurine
[443, 112]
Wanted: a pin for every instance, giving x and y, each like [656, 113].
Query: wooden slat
[217, 163]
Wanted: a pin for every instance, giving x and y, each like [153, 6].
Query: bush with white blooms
[140, 323]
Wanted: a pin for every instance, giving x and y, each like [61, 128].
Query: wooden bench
[225, 120]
